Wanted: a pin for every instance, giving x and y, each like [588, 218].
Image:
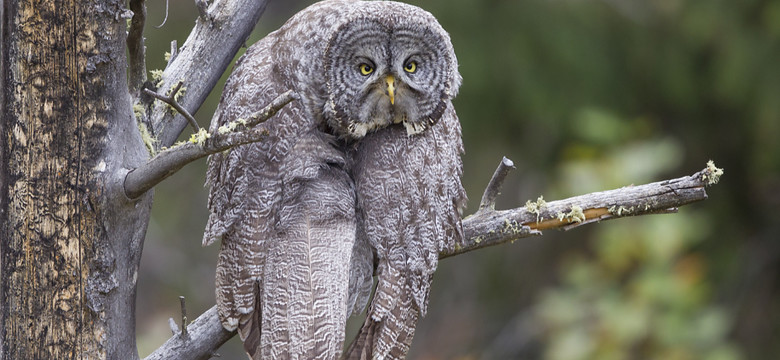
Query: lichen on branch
[485, 227]
[201, 143]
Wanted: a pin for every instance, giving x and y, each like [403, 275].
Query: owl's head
[389, 63]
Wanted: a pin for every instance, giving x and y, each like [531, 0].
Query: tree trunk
[71, 242]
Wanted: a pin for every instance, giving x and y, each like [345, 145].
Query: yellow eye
[366, 69]
[411, 67]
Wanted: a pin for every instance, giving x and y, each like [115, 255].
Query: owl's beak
[391, 88]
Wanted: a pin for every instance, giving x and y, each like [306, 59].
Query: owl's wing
[244, 185]
[284, 211]
[410, 196]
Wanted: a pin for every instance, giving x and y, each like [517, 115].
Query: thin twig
[174, 52]
[494, 186]
[135, 47]
[166, 16]
[184, 335]
[174, 328]
[167, 162]
[270, 110]
[171, 100]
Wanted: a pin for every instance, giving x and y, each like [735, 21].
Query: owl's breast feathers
[410, 197]
[300, 219]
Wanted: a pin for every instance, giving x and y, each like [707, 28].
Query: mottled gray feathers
[419, 177]
[359, 177]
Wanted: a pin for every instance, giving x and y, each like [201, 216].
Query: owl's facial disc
[386, 95]
[388, 70]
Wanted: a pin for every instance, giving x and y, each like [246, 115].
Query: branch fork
[169, 161]
[488, 227]
[171, 100]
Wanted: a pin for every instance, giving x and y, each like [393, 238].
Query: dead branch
[165, 19]
[169, 161]
[206, 335]
[217, 40]
[173, 53]
[174, 328]
[170, 99]
[184, 333]
[493, 227]
[494, 186]
[488, 227]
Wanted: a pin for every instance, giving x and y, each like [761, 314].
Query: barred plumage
[364, 167]
[410, 195]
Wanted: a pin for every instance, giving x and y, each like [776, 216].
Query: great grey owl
[359, 176]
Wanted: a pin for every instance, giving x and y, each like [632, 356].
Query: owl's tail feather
[389, 326]
[249, 329]
[360, 347]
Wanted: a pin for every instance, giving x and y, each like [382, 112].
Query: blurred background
[583, 95]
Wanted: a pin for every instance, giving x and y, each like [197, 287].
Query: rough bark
[136, 69]
[206, 335]
[71, 241]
